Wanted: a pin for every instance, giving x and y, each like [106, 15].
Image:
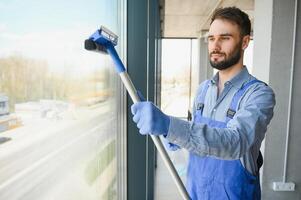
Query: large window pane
[57, 102]
[175, 78]
[178, 87]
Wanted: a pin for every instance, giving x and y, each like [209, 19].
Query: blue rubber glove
[150, 119]
[170, 146]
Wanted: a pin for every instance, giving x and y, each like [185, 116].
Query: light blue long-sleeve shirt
[242, 137]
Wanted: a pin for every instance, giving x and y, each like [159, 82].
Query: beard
[229, 61]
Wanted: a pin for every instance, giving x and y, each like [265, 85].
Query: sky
[55, 31]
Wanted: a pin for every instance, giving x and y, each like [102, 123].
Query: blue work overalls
[212, 178]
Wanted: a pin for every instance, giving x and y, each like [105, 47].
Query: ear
[245, 42]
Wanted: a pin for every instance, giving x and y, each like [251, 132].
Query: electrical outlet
[283, 186]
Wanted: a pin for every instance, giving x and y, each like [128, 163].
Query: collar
[215, 79]
[237, 81]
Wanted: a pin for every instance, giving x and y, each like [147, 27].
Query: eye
[225, 38]
[210, 39]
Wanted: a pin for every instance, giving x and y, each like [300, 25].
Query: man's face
[224, 44]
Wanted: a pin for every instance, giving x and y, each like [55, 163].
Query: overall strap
[232, 110]
[201, 97]
[235, 100]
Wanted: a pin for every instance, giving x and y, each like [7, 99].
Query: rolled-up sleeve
[247, 127]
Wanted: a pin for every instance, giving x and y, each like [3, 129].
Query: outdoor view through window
[57, 101]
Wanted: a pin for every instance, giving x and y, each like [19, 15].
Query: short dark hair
[235, 15]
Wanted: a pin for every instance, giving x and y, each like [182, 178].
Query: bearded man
[231, 113]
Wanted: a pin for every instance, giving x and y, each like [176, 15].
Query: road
[50, 159]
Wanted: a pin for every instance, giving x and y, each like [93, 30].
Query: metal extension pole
[290, 94]
[284, 185]
[133, 94]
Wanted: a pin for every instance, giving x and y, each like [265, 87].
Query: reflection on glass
[57, 101]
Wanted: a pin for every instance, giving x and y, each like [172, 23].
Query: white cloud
[3, 27]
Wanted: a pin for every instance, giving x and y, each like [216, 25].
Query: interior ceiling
[191, 18]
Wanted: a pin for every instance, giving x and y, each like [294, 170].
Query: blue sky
[54, 30]
[34, 15]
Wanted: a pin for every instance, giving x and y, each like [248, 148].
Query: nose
[215, 46]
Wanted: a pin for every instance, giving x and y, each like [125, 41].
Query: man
[231, 113]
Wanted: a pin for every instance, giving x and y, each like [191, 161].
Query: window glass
[57, 101]
[178, 87]
[176, 76]
[248, 56]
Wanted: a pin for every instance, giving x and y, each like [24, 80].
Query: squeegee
[103, 40]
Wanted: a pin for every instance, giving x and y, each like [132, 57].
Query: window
[178, 82]
[58, 139]
[2, 104]
[179, 77]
